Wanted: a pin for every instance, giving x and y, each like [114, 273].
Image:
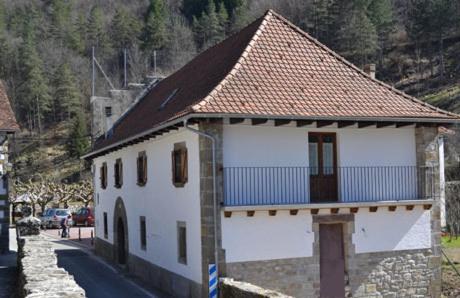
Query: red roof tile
[270, 68]
[7, 119]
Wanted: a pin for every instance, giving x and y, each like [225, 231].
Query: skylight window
[168, 99]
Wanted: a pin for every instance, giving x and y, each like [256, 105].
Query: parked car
[84, 216]
[52, 217]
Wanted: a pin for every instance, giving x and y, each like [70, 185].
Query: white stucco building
[295, 169]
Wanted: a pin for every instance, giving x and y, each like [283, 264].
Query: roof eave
[273, 117]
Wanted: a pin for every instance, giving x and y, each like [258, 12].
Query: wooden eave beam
[301, 123]
[403, 124]
[258, 121]
[384, 124]
[342, 124]
[322, 123]
[236, 120]
[279, 122]
[365, 124]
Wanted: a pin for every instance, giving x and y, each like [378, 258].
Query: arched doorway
[121, 235]
[121, 242]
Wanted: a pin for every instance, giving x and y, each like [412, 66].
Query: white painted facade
[264, 237]
[162, 204]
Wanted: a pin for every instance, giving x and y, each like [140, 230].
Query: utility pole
[155, 63]
[125, 84]
[93, 80]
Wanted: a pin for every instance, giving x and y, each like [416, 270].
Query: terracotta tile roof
[270, 68]
[7, 119]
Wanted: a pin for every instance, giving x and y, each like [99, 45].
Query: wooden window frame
[182, 179]
[181, 259]
[143, 232]
[118, 173]
[105, 223]
[141, 166]
[103, 175]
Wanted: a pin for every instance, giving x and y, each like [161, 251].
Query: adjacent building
[292, 167]
[8, 126]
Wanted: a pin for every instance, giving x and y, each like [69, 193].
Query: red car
[84, 216]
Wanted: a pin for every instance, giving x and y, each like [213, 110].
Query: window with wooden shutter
[142, 168]
[179, 165]
[103, 175]
[118, 173]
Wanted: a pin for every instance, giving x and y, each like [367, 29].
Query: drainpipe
[214, 187]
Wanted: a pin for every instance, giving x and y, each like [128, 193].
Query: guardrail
[244, 186]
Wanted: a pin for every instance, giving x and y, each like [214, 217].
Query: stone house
[8, 126]
[270, 153]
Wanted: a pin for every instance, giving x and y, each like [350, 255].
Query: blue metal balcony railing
[248, 186]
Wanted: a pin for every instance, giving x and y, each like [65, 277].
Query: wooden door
[322, 147]
[332, 261]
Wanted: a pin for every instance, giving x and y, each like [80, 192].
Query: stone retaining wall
[230, 288]
[39, 275]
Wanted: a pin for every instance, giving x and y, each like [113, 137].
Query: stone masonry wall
[215, 129]
[392, 274]
[230, 288]
[39, 275]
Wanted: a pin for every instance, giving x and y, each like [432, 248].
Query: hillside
[46, 51]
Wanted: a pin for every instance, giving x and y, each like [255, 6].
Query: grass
[450, 243]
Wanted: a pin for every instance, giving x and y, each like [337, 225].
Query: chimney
[370, 70]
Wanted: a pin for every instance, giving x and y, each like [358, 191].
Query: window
[118, 173]
[179, 165]
[106, 233]
[108, 111]
[182, 242]
[143, 233]
[142, 168]
[103, 175]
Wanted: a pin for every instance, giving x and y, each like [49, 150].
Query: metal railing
[247, 186]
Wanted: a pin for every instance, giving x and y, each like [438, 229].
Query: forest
[46, 49]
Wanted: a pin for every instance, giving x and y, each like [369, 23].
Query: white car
[52, 217]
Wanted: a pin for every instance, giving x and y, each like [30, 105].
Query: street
[95, 276]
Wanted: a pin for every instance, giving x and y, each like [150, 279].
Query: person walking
[65, 225]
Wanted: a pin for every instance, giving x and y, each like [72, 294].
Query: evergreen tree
[240, 17]
[322, 20]
[381, 15]
[78, 142]
[222, 15]
[77, 35]
[125, 29]
[208, 28]
[34, 98]
[359, 37]
[154, 36]
[60, 19]
[66, 96]
[96, 32]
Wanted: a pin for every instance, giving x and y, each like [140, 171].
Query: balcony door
[322, 149]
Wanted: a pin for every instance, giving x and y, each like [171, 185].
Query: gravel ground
[450, 281]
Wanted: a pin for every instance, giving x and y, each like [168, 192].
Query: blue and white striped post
[212, 281]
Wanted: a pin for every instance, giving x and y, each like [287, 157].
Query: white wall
[269, 146]
[159, 201]
[265, 237]
[386, 231]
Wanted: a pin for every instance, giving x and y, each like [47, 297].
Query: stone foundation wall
[298, 277]
[229, 288]
[382, 274]
[39, 275]
[160, 278]
[392, 274]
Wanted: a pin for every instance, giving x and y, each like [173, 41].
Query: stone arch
[120, 233]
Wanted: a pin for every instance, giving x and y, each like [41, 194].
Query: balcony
[263, 186]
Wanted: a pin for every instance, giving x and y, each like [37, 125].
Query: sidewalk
[85, 235]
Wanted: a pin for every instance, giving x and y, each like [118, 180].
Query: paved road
[94, 275]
